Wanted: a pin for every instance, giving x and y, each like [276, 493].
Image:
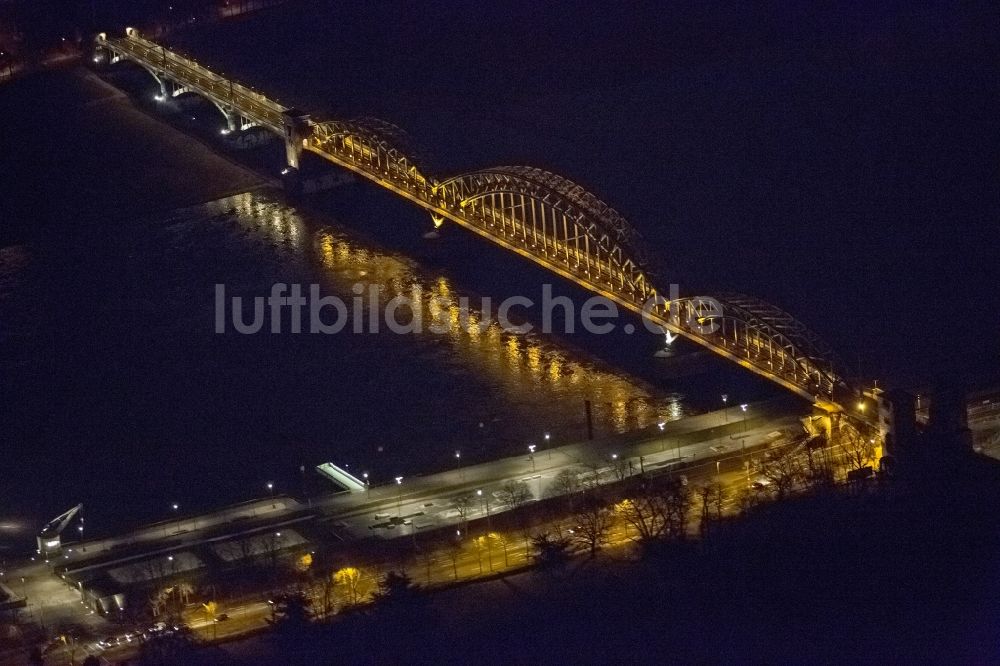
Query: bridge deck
[537, 215]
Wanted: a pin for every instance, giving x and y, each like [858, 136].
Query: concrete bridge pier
[232, 120]
[437, 221]
[297, 130]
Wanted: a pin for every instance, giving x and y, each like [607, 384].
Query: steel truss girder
[572, 231]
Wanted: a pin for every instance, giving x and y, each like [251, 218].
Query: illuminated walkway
[534, 213]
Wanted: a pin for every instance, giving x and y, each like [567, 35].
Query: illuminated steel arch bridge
[539, 215]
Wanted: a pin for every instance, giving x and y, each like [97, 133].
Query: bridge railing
[539, 215]
[187, 73]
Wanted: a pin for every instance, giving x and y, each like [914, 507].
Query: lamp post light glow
[744, 408]
[531, 456]
[399, 497]
[270, 490]
[725, 407]
[174, 506]
[486, 499]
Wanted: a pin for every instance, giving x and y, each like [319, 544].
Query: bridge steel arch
[543, 217]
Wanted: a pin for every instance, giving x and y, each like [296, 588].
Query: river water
[837, 165]
[128, 399]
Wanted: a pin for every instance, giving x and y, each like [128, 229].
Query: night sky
[839, 161]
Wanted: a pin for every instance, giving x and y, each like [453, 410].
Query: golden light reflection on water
[528, 368]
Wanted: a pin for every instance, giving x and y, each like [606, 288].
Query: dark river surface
[839, 165]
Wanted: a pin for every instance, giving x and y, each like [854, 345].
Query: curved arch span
[544, 217]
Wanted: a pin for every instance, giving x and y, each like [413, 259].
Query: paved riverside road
[424, 503]
[419, 503]
[684, 440]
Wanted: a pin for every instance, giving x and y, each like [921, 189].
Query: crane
[49, 539]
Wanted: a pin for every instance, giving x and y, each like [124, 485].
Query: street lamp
[173, 507]
[744, 407]
[482, 497]
[270, 490]
[725, 407]
[368, 486]
[399, 497]
[531, 456]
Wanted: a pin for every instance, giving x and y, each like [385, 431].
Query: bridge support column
[438, 220]
[297, 131]
[232, 120]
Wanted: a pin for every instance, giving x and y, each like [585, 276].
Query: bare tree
[676, 498]
[514, 494]
[656, 511]
[454, 552]
[712, 497]
[704, 495]
[550, 551]
[749, 499]
[327, 585]
[718, 497]
[594, 521]
[184, 591]
[565, 483]
[620, 467]
[645, 512]
[463, 504]
[350, 579]
[484, 543]
[783, 469]
[591, 479]
[426, 558]
[270, 545]
[504, 541]
[859, 451]
[158, 600]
